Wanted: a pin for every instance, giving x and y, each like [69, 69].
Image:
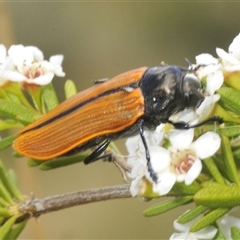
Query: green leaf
[216, 195]
[4, 212]
[228, 159]
[15, 232]
[182, 188]
[34, 163]
[220, 111]
[16, 94]
[50, 97]
[219, 236]
[229, 131]
[208, 219]
[35, 92]
[16, 111]
[191, 214]
[236, 155]
[7, 142]
[221, 166]
[166, 206]
[3, 203]
[230, 99]
[6, 228]
[235, 233]
[4, 95]
[63, 161]
[26, 118]
[9, 124]
[12, 175]
[5, 194]
[9, 184]
[70, 89]
[17, 155]
[213, 169]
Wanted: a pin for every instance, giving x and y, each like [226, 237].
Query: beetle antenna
[193, 68]
[184, 126]
[215, 119]
[188, 62]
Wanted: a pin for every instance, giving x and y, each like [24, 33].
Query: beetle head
[167, 90]
[192, 90]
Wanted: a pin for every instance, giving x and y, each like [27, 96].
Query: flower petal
[206, 107]
[3, 53]
[226, 57]
[234, 47]
[160, 158]
[36, 53]
[226, 223]
[165, 184]
[206, 233]
[134, 188]
[132, 144]
[181, 139]
[214, 82]
[187, 115]
[193, 172]
[207, 144]
[206, 59]
[43, 79]
[179, 236]
[13, 76]
[56, 61]
[156, 137]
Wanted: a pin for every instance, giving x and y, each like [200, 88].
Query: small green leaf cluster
[10, 200]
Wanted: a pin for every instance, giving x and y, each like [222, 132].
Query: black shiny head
[168, 90]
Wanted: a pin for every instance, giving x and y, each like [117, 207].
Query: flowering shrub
[197, 165]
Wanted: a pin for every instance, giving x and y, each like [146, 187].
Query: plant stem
[36, 206]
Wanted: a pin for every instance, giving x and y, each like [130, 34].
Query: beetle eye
[161, 95]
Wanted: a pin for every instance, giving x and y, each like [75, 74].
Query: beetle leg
[149, 165]
[183, 125]
[95, 154]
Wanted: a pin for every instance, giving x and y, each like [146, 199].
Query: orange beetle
[119, 107]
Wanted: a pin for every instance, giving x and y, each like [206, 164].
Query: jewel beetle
[120, 107]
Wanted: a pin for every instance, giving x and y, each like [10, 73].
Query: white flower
[210, 65]
[231, 60]
[6, 65]
[225, 224]
[214, 80]
[181, 162]
[186, 155]
[29, 65]
[206, 233]
[210, 69]
[137, 155]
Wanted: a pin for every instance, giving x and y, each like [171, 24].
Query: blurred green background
[99, 40]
